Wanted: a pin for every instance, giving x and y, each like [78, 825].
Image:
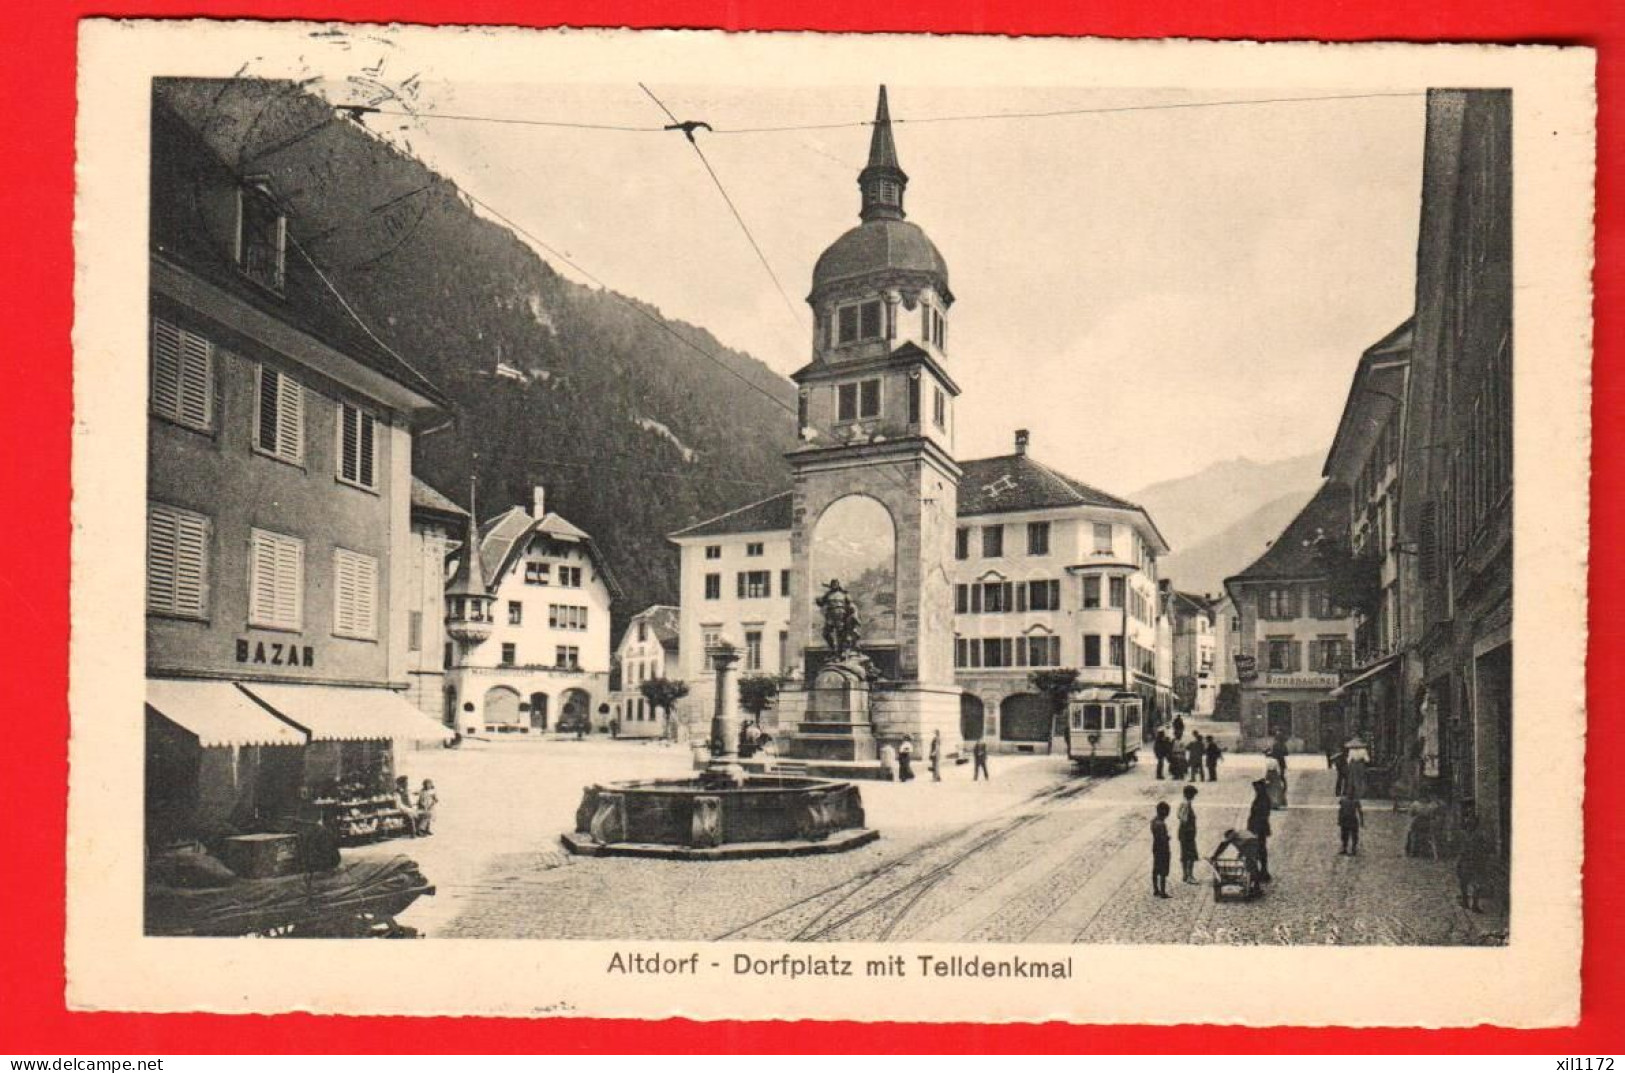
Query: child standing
[1187, 835]
[1161, 856]
[1350, 818]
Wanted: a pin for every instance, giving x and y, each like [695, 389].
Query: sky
[1145, 291]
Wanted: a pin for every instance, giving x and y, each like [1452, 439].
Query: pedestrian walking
[1473, 862]
[1337, 758]
[1275, 781]
[1212, 754]
[905, 759]
[1359, 759]
[1258, 824]
[1160, 855]
[1179, 727]
[1187, 835]
[1162, 748]
[428, 800]
[1193, 757]
[979, 756]
[1350, 818]
[936, 756]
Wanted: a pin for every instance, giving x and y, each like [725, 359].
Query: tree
[1057, 685]
[662, 694]
[757, 693]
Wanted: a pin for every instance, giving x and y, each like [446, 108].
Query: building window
[754, 584]
[1278, 603]
[961, 599]
[992, 541]
[510, 653]
[914, 398]
[713, 551]
[355, 595]
[537, 573]
[858, 321]
[1116, 649]
[1043, 651]
[358, 436]
[784, 651]
[1038, 538]
[1091, 650]
[962, 543]
[998, 652]
[516, 613]
[562, 616]
[279, 416]
[1283, 655]
[753, 650]
[1091, 592]
[177, 562]
[710, 637]
[784, 583]
[276, 578]
[754, 550]
[567, 656]
[858, 400]
[1039, 596]
[414, 631]
[261, 236]
[182, 376]
[1103, 538]
[939, 408]
[713, 586]
[1119, 592]
[570, 577]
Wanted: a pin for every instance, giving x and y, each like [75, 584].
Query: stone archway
[1025, 717]
[501, 709]
[855, 542]
[575, 706]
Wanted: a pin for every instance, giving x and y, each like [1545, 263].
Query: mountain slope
[1219, 519]
[637, 424]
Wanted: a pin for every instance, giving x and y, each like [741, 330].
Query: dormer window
[262, 233]
[858, 322]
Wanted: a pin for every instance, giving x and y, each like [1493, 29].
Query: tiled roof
[1293, 556]
[503, 537]
[763, 516]
[183, 232]
[424, 497]
[663, 620]
[1019, 482]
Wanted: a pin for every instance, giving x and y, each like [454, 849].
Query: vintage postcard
[815, 526]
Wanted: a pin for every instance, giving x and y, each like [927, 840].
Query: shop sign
[1302, 680]
[1246, 666]
[275, 653]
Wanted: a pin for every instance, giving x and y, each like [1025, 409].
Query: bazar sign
[1246, 667]
[275, 653]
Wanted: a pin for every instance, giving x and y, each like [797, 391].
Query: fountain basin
[689, 819]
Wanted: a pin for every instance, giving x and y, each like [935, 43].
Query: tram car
[1105, 727]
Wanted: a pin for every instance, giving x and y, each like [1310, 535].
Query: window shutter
[349, 441]
[1428, 532]
[739, 585]
[267, 432]
[369, 426]
[166, 368]
[290, 419]
[1021, 597]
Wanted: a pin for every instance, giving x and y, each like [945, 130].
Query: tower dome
[885, 246]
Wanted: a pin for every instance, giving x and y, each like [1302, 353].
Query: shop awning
[349, 713]
[218, 713]
[1366, 675]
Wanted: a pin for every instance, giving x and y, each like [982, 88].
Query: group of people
[905, 758]
[1251, 845]
[418, 808]
[1195, 761]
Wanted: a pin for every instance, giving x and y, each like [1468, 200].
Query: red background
[35, 420]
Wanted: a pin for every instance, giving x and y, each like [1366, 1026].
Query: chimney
[1022, 439]
[538, 502]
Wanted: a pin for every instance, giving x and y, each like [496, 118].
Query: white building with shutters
[279, 445]
[539, 660]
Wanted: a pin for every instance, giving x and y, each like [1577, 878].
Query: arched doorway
[576, 709]
[502, 709]
[855, 542]
[538, 711]
[971, 717]
[448, 710]
[1025, 717]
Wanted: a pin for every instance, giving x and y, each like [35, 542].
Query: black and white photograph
[995, 522]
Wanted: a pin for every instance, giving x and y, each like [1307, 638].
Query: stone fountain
[723, 813]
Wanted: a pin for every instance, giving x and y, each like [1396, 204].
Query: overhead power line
[687, 129]
[917, 120]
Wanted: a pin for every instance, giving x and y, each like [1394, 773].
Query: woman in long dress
[1359, 758]
[1275, 779]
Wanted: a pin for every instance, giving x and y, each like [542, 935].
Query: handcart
[1234, 879]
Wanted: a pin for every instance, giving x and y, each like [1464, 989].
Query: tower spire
[882, 181]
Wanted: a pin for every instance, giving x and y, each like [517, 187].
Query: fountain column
[724, 769]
